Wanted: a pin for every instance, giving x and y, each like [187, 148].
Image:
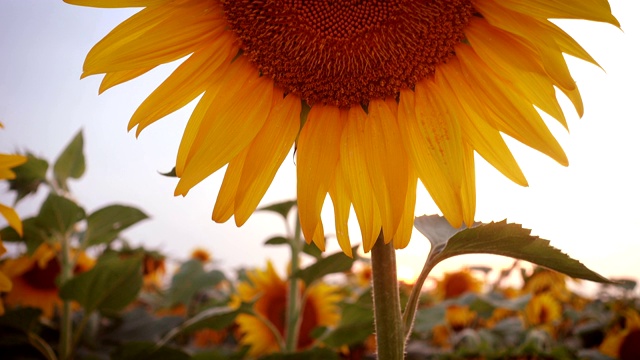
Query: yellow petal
[341, 208]
[434, 145]
[266, 153]
[162, 35]
[223, 209]
[530, 30]
[486, 140]
[507, 111]
[115, 78]
[12, 218]
[317, 157]
[405, 228]
[388, 164]
[116, 3]
[596, 10]
[355, 169]
[230, 124]
[188, 81]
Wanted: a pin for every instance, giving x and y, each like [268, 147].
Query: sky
[589, 210]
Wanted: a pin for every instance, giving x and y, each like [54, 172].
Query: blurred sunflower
[459, 317]
[622, 341]
[454, 284]
[320, 308]
[201, 255]
[543, 311]
[34, 278]
[375, 95]
[547, 281]
[7, 162]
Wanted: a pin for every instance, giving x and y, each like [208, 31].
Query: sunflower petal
[595, 10]
[116, 78]
[223, 209]
[266, 153]
[230, 124]
[115, 3]
[341, 207]
[405, 228]
[12, 218]
[188, 81]
[317, 157]
[355, 169]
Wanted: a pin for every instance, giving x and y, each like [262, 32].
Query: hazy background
[590, 210]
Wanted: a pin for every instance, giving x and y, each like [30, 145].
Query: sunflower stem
[66, 272]
[386, 302]
[293, 297]
[410, 309]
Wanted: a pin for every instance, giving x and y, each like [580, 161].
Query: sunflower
[34, 278]
[547, 281]
[201, 255]
[320, 308]
[454, 284]
[621, 341]
[375, 95]
[459, 317]
[543, 311]
[7, 162]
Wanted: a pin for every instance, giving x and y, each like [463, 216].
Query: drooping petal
[316, 163]
[266, 153]
[388, 164]
[355, 169]
[116, 78]
[596, 10]
[12, 218]
[230, 124]
[155, 36]
[433, 143]
[8, 161]
[341, 206]
[188, 81]
[508, 112]
[405, 228]
[223, 209]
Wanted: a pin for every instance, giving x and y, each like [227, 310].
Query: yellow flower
[454, 284]
[201, 255]
[547, 281]
[375, 95]
[7, 162]
[459, 317]
[34, 278]
[319, 309]
[621, 342]
[543, 311]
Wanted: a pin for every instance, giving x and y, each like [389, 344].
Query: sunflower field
[77, 287]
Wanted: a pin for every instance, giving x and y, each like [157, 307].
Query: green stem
[412, 303]
[66, 272]
[293, 297]
[386, 302]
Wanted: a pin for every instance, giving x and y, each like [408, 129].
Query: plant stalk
[66, 326]
[386, 302]
[293, 297]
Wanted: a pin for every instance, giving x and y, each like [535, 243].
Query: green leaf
[136, 350]
[23, 319]
[503, 239]
[32, 234]
[59, 214]
[140, 325]
[70, 163]
[171, 173]
[29, 176]
[110, 286]
[191, 278]
[277, 240]
[312, 249]
[282, 208]
[104, 225]
[338, 262]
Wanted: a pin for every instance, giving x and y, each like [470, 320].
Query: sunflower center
[43, 278]
[351, 51]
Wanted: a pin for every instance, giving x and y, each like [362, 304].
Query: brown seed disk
[347, 52]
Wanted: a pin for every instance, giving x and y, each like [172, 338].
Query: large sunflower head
[320, 308]
[34, 278]
[622, 340]
[375, 95]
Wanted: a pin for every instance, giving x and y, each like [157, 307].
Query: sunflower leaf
[104, 225]
[70, 163]
[110, 286]
[59, 214]
[277, 240]
[32, 234]
[29, 176]
[338, 262]
[190, 279]
[147, 350]
[282, 208]
[500, 238]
